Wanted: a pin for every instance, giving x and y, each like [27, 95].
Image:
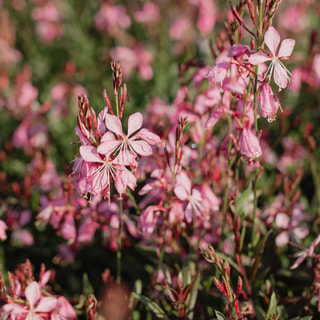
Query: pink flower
[37, 304]
[218, 73]
[272, 40]
[27, 94]
[131, 144]
[149, 13]
[3, 228]
[291, 226]
[207, 16]
[65, 310]
[184, 191]
[134, 58]
[268, 103]
[305, 253]
[112, 18]
[249, 144]
[103, 170]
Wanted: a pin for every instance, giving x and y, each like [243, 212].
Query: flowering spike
[219, 286]
[116, 76]
[83, 104]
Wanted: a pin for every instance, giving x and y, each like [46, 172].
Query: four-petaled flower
[129, 145]
[280, 73]
[37, 304]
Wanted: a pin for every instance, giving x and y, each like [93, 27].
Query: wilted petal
[238, 50]
[272, 39]
[249, 144]
[134, 123]
[286, 48]
[113, 124]
[218, 73]
[146, 221]
[268, 104]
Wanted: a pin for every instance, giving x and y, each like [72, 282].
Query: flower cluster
[29, 299]
[106, 152]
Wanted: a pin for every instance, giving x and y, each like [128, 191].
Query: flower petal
[33, 293]
[286, 48]
[90, 154]
[272, 39]
[282, 239]
[107, 147]
[148, 136]
[46, 304]
[257, 58]
[282, 220]
[134, 123]
[113, 124]
[280, 75]
[181, 192]
[141, 147]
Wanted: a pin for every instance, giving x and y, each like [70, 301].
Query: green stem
[119, 244]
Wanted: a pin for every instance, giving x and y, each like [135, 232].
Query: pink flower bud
[249, 144]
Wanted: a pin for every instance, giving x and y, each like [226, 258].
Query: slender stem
[119, 244]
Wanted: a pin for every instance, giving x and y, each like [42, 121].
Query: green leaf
[151, 305]
[87, 287]
[272, 310]
[220, 316]
[243, 204]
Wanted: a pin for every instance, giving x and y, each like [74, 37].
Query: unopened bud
[91, 305]
[107, 100]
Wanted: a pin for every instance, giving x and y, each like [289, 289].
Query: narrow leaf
[220, 316]
[152, 306]
[272, 310]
